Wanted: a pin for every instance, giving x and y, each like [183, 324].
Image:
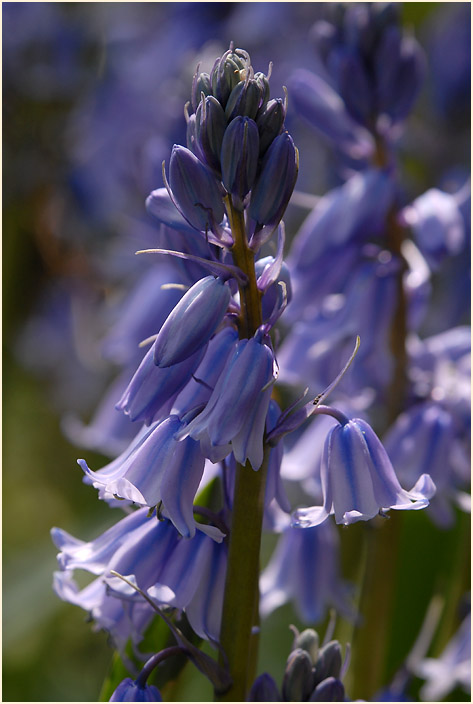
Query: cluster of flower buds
[237, 148]
[312, 674]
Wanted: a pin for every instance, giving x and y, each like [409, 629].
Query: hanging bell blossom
[149, 553]
[358, 479]
[423, 438]
[230, 412]
[199, 388]
[437, 224]
[192, 322]
[156, 467]
[132, 691]
[152, 387]
[304, 570]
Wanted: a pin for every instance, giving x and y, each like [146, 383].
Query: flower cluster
[213, 451]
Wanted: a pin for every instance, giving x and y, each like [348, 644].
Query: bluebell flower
[109, 431]
[154, 468]
[425, 439]
[192, 322]
[304, 570]
[131, 691]
[199, 388]
[358, 480]
[150, 553]
[451, 669]
[239, 403]
[151, 387]
[437, 225]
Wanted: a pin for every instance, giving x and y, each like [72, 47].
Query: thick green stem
[240, 606]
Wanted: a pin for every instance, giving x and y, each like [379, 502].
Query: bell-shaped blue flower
[131, 691]
[156, 467]
[358, 479]
[151, 387]
[230, 411]
[199, 389]
[425, 438]
[304, 570]
[192, 322]
[149, 553]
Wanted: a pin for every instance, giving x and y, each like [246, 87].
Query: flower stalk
[240, 606]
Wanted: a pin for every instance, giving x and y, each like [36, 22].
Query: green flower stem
[250, 296]
[240, 606]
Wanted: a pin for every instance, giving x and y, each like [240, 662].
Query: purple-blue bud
[130, 691]
[330, 690]
[264, 689]
[191, 324]
[239, 157]
[270, 123]
[298, 681]
[210, 124]
[275, 184]
[195, 189]
[245, 99]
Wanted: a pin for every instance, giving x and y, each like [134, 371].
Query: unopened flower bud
[130, 691]
[195, 189]
[191, 324]
[200, 84]
[264, 689]
[330, 690]
[308, 640]
[245, 99]
[226, 74]
[270, 123]
[263, 83]
[210, 124]
[239, 157]
[298, 681]
[329, 661]
[275, 184]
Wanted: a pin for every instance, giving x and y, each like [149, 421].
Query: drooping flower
[150, 553]
[358, 479]
[304, 570]
[154, 468]
[238, 404]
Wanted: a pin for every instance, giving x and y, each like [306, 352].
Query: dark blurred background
[93, 97]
